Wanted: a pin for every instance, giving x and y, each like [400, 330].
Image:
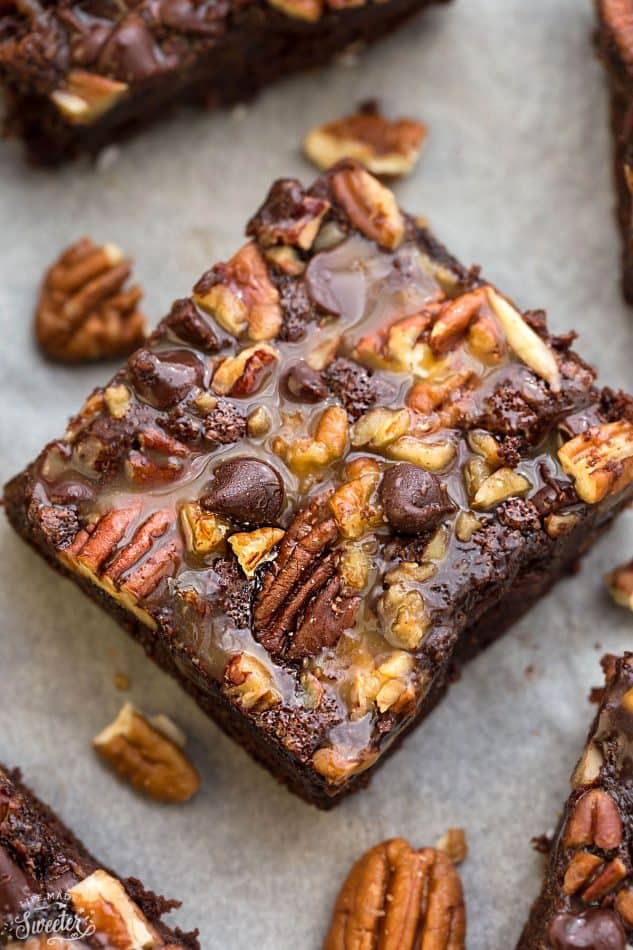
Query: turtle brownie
[53, 892]
[79, 74]
[337, 470]
[587, 896]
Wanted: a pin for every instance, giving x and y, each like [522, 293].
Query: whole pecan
[85, 312]
[397, 898]
[300, 608]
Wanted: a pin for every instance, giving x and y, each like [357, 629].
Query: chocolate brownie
[53, 892]
[587, 896]
[338, 469]
[614, 41]
[80, 73]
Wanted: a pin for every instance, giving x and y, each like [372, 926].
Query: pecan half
[600, 460]
[384, 147]
[147, 757]
[371, 207]
[85, 312]
[595, 820]
[301, 607]
[397, 898]
[241, 296]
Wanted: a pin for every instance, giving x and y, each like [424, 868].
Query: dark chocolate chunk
[131, 53]
[594, 929]
[246, 489]
[163, 379]
[304, 383]
[413, 499]
[191, 326]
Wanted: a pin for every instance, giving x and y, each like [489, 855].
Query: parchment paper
[515, 176]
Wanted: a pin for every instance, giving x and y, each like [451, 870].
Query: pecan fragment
[609, 878]
[372, 208]
[85, 97]
[524, 341]
[85, 312]
[384, 147]
[106, 906]
[251, 548]
[600, 460]
[581, 868]
[244, 374]
[454, 319]
[397, 898]
[241, 296]
[139, 751]
[250, 684]
[308, 10]
[289, 216]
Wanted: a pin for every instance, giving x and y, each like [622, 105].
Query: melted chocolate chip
[187, 323]
[304, 383]
[245, 489]
[189, 16]
[592, 930]
[130, 53]
[163, 379]
[413, 499]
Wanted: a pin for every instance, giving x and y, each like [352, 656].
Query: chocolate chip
[592, 930]
[246, 489]
[413, 499]
[304, 383]
[186, 322]
[130, 53]
[163, 379]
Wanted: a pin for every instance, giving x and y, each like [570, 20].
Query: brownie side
[614, 44]
[264, 746]
[324, 471]
[223, 59]
[587, 894]
[41, 860]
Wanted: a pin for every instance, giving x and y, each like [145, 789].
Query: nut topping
[600, 460]
[397, 898]
[107, 907]
[524, 341]
[244, 374]
[595, 820]
[241, 296]
[245, 489]
[384, 147]
[250, 684]
[289, 217]
[371, 207]
[454, 845]
[502, 484]
[147, 757]
[309, 10]
[85, 97]
[252, 548]
[85, 311]
[203, 531]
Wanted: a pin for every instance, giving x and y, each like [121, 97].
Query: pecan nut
[147, 757]
[372, 208]
[600, 460]
[397, 898]
[595, 820]
[620, 584]
[85, 97]
[288, 217]
[110, 912]
[384, 147]
[85, 311]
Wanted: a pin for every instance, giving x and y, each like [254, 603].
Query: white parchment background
[515, 176]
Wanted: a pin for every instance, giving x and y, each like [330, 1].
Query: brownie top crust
[51, 886]
[325, 464]
[587, 897]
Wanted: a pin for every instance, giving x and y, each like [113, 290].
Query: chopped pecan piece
[85, 97]
[249, 682]
[372, 208]
[397, 898]
[308, 10]
[252, 548]
[524, 341]
[384, 147]
[454, 319]
[140, 751]
[108, 909]
[600, 460]
[244, 374]
[85, 312]
[241, 296]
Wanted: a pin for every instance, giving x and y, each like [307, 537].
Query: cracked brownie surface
[339, 468]
[587, 896]
[79, 73]
[50, 884]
